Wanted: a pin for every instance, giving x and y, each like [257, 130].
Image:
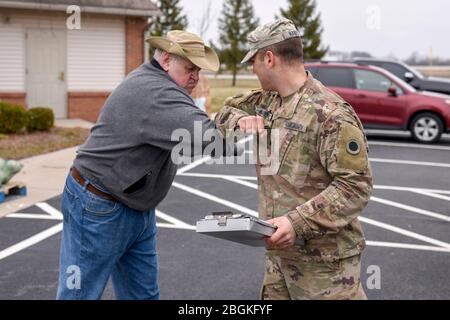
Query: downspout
[146, 47]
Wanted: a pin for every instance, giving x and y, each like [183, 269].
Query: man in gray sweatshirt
[125, 169]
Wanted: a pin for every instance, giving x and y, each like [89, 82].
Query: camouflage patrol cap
[270, 34]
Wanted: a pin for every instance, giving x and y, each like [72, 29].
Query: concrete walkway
[73, 123]
[44, 175]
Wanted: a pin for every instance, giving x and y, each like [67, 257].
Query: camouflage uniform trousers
[303, 278]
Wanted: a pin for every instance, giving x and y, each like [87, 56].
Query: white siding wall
[96, 55]
[12, 69]
[12, 44]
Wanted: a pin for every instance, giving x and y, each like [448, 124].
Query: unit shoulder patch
[353, 146]
[352, 150]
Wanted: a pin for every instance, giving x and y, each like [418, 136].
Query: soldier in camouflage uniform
[323, 179]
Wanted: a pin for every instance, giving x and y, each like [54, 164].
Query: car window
[396, 69]
[372, 63]
[373, 81]
[335, 77]
[313, 71]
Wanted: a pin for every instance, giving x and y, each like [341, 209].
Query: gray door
[46, 70]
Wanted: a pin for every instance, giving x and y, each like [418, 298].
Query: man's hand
[251, 124]
[285, 235]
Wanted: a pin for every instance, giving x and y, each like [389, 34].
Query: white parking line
[207, 158]
[242, 182]
[172, 226]
[31, 241]
[54, 214]
[430, 192]
[379, 224]
[405, 246]
[394, 161]
[193, 165]
[32, 216]
[217, 176]
[211, 197]
[50, 210]
[178, 224]
[408, 145]
[174, 222]
[433, 195]
[404, 232]
[57, 215]
[237, 180]
[412, 189]
[410, 208]
[416, 163]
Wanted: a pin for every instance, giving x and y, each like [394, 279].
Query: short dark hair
[290, 50]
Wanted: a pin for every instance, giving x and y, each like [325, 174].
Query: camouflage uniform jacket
[323, 180]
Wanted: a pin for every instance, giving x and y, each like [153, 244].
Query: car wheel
[426, 127]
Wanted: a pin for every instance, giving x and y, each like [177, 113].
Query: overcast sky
[380, 27]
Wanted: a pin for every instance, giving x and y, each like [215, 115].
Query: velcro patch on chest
[262, 112]
[294, 126]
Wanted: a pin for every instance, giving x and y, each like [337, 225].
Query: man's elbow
[365, 192]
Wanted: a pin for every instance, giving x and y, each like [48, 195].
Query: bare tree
[205, 20]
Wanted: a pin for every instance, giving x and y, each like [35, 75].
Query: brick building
[46, 60]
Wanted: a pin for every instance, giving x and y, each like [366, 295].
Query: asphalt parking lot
[407, 225]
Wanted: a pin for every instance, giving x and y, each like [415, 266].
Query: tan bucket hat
[189, 46]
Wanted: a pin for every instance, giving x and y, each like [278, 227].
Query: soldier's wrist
[301, 228]
[294, 217]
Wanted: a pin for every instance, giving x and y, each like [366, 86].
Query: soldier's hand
[251, 124]
[285, 235]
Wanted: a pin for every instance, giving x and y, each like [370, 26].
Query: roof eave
[89, 9]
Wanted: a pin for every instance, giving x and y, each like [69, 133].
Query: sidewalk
[44, 175]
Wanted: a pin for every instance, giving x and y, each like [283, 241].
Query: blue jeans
[102, 238]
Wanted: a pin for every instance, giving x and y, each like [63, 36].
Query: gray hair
[160, 52]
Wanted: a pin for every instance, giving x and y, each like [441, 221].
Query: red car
[383, 101]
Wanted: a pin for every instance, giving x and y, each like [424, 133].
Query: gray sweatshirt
[128, 151]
